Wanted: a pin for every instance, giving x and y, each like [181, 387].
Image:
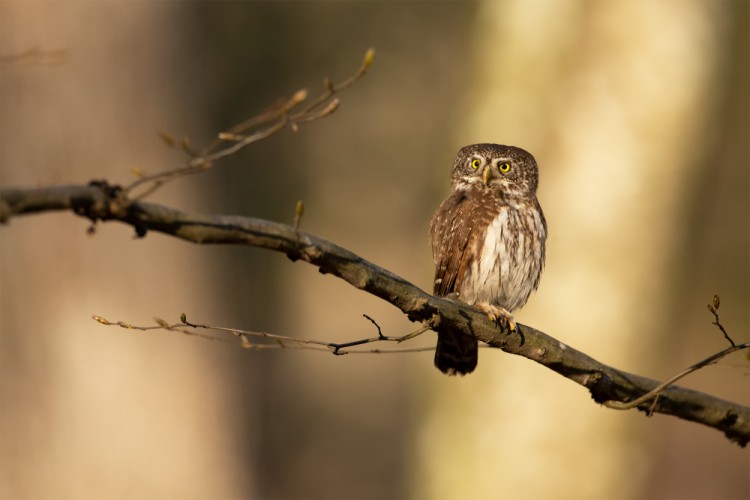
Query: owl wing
[453, 233]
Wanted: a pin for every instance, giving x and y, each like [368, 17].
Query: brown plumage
[488, 242]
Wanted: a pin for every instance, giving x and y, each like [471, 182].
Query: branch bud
[229, 136]
[369, 57]
[299, 210]
[166, 137]
[298, 97]
[330, 108]
[136, 171]
[101, 320]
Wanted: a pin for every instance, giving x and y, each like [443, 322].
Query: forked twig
[713, 308]
[259, 127]
[620, 405]
[654, 393]
[279, 341]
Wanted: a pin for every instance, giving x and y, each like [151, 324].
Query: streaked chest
[507, 258]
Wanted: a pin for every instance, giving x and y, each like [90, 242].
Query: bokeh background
[637, 113]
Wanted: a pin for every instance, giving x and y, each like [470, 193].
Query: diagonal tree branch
[101, 202]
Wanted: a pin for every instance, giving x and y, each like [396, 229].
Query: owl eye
[504, 167]
[475, 163]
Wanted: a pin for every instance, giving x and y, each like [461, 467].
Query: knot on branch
[107, 206]
[109, 203]
[731, 428]
[600, 385]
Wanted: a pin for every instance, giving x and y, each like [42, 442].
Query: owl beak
[486, 175]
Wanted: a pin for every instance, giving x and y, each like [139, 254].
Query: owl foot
[498, 315]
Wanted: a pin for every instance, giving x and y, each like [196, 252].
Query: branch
[654, 393]
[279, 341]
[99, 201]
[264, 125]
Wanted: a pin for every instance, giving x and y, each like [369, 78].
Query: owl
[488, 242]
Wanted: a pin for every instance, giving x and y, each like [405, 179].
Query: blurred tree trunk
[333, 427]
[171, 417]
[88, 413]
[621, 103]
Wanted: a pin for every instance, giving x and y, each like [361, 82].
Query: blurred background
[637, 113]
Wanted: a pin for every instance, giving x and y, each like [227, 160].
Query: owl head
[505, 170]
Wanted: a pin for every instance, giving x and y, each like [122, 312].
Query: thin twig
[201, 163]
[273, 120]
[270, 114]
[280, 341]
[714, 309]
[332, 89]
[299, 211]
[654, 393]
[620, 405]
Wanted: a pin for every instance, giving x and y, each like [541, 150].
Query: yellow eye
[475, 163]
[504, 167]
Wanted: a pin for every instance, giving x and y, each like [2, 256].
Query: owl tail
[456, 353]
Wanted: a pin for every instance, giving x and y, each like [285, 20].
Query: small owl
[488, 241]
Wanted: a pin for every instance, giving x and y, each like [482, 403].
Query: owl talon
[512, 325]
[498, 315]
